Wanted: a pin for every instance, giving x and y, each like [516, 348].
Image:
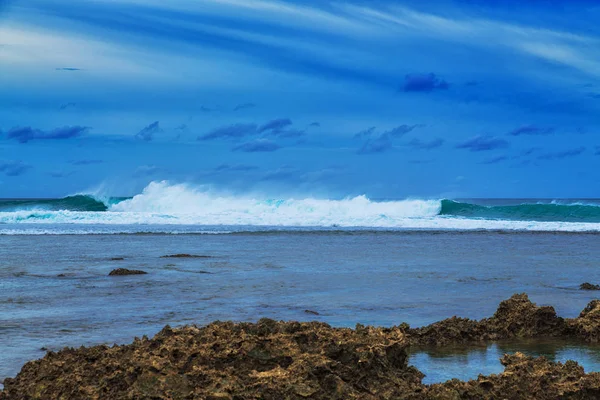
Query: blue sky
[390, 99]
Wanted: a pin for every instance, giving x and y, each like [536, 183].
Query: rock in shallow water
[292, 360]
[125, 271]
[589, 286]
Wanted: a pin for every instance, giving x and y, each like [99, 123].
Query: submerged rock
[183, 255]
[589, 286]
[125, 271]
[524, 378]
[117, 258]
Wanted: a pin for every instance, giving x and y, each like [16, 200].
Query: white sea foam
[173, 205]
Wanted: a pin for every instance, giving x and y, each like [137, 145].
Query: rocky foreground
[292, 360]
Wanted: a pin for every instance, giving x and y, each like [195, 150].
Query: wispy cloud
[494, 160]
[366, 133]
[68, 69]
[67, 105]
[244, 106]
[257, 146]
[531, 130]
[234, 168]
[86, 162]
[379, 145]
[275, 125]
[483, 143]
[27, 133]
[147, 170]
[14, 168]
[424, 83]
[148, 132]
[559, 155]
[235, 131]
[421, 145]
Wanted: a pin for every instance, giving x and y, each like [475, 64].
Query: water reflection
[467, 362]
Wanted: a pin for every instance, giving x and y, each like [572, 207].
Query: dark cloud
[85, 162]
[559, 155]
[530, 150]
[379, 145]
[67, 105]
[531, 130]
[483, 143]
[244, 106]
[424, 83]
[148, 132]
[366, 133]
[231, 131]
[235, 168]
[401, 130]
[495, 160]
[68, 69]
[432, 144]
[256, 146]
[314, 125]
[275, 125]
[13, 168]
[27, 133]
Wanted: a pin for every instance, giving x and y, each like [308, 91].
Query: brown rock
[124, 271]
[589, 286]
[183, 255]
[266, 360]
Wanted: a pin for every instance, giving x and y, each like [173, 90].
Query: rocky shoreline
[292, 360]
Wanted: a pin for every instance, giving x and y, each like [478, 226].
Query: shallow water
[465, 363]
[379, 278]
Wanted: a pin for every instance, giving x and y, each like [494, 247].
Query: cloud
[61, 174]
[244, 106]
[258, 145]
[285, 173]
[205, 109]
[424, 83]
[559, 155]
[85, 162]
[314, 125]
[483, 143]
[27, 133]
[380, 145]
[275, 125]
[530, 150]
[597, 152]
[68, 69]
[234, 168]
[433, 144]
[531, 130]
[148, 132]
[66, 105]
[13, 168]
[495, 160]
[147, 170]
[366, 133]
[230, 131]
[401, 130]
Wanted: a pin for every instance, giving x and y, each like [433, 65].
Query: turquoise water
[348, 277]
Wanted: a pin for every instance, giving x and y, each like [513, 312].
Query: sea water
[349, 260]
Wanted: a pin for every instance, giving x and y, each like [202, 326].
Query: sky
[390, 99]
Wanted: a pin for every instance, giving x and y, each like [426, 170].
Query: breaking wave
[162, 203]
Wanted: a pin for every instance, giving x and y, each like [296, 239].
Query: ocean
[346, 261]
